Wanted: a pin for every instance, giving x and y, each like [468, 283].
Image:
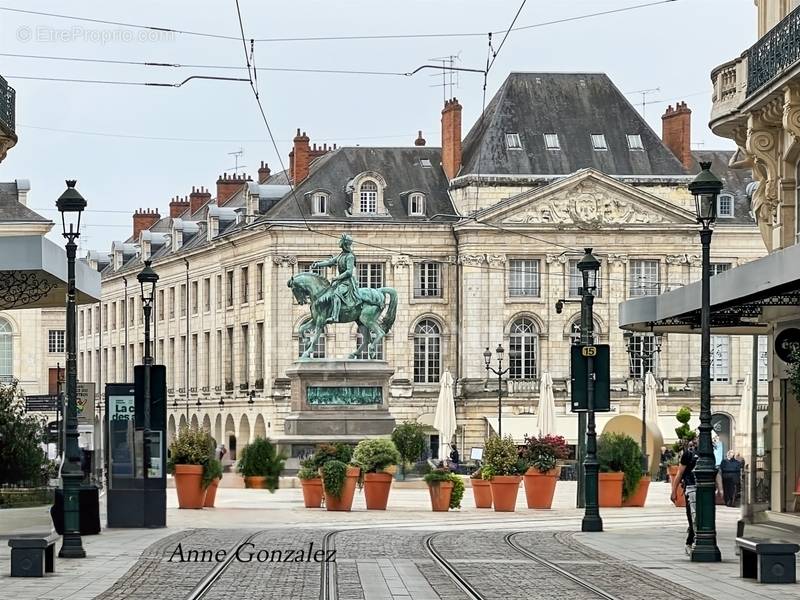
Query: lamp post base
[706, 553]
[70, 550]
[592, 523]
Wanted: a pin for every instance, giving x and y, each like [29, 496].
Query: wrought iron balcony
[775, 53]
[7, 94]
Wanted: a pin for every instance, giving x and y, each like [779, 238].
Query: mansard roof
[11, 209]
[401, 168]
[574, 106]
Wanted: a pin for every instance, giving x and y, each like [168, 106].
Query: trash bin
[89, 499]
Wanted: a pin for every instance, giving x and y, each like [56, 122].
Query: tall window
[195, 299]
[259, 358]
[172, 359]
[229, 288]
[172, 303]
[643, 357]
[207, 356]
[229, 359]
[427, 280]
[220, 360]
[370, 275]
[320, 204]
[104, 310]
[523, 277]
[219, 291]
[183, 299]
[368, 196]
[416, 205]
[260, 281]
[245, 362]
[55, 341]
[427, 352]
[90, 321]
[576, 281]
[160, 302]
[6, 352]
[131, 310]
[113, 316]
[194, 376]
[206, 294]
[644, 280]
[720, 358]
[762, 358]
[718, 267]
[245, 284]
[725, 206]
[319, 347]
[522, 344]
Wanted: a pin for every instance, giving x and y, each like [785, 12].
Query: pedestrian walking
[666, 456]
[686, 479]
[731, 475]
[221, 452]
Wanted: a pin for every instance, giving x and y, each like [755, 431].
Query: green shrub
[409, 439]
[325, 452]
[334, 474]
[21, 457]
[436, 476]
[261, 458]
[375, 455]
[500, 457]
[194, 446]
[211, 472]
[543, 452]
[684, 432]
[617, 452]
[307, 470]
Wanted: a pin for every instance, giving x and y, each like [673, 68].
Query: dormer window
[513, 142]
[368, 197]
[599, 141]
[319, 203]
[635, 142]
[551, 141]
[416, 205]
[725, 206]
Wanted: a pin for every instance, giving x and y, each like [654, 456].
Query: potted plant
[685, 434]
[620, 459]
[339, 478]
[261, 464]
[311, 483]
[211, 478]
[445, 488]
[502, 469]
[409, 439]
[190, 454]
[373, 457]
[542, 455]
[481, 489]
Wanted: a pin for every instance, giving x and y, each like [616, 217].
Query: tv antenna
[644, 94]
[449, 75]
[236, 155]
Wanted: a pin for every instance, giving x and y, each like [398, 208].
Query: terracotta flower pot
[482, 493]
[640, 495]
[255, 482]
[188, 484]
[345, 501]
[672, 470]
[610, 489]
[376, 490]
[540, 487]
[440, 495]
[211, 493]
[312, 492]
[504, 492]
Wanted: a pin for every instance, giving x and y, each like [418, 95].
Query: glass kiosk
[137, 484]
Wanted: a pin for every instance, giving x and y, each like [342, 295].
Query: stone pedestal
[337, 400]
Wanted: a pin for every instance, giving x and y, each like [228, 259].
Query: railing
[774, 53]
[7, 95]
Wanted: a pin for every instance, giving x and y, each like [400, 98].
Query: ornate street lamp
[642, 355]
[147, 281]
[705, 188]
[589, 266]
[499, 371]
[71, 204]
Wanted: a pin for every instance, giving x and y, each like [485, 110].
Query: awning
[33, 274]
[737, 299]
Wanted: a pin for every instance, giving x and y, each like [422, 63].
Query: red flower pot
[540, 487]
[440, 495]
[188, 484]
[609, 490]
[482, 493]
[312, 492]
[504, 492]
[211, 493]
[376, 490]
[345, 501]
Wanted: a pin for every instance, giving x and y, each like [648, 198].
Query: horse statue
[309, 287]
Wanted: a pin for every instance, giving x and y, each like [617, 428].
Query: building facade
[480, 237]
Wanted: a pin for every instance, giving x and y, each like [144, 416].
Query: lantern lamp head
[147, 280]
[705, 188]
[71, 204]
[589, 266]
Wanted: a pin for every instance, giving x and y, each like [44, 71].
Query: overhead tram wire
[130, 83]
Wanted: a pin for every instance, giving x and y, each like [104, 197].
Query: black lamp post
[147, 281]
[499, 371]
[705, 188]
[589, 266]
[642, 355]
[71, 204]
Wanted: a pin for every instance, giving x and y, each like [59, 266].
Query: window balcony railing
[7, 95]
[775, 53]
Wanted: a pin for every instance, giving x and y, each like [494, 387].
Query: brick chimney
[178, 206]
[300, 158]
[420, 141]
[263, 172]
[676, 132]
[451, 138]
[228, 186]
[144, 218]
[198, 198]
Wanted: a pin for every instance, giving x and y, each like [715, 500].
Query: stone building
[480, 237]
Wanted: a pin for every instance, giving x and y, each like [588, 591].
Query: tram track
[328, 588]
[205, 585]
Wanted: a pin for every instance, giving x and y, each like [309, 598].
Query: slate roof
[400, 167]
[12, 210]
[574, 106]
[735, 182]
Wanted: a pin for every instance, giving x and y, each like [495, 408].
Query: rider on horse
[344, 287]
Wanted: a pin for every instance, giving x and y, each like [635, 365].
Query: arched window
[319, 347]
[368, 196]
[6, 352]
[427, 351]
[523, 344]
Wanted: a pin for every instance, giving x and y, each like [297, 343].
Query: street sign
[601, 354]
[41, 403]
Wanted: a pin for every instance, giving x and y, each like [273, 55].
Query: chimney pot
[420, 141]
[676, 132]
[451, 138]
[144, 219]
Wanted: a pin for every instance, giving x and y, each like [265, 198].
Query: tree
[21, 456]
[409, 438]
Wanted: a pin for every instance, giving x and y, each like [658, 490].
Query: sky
[103, 134]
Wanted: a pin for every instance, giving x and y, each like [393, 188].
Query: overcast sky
[672, 46]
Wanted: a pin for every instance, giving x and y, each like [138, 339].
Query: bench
[33, 556]
[766, 561]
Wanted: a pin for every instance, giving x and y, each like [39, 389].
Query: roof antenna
[644, 94]
[237, 166]
[450, 77]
